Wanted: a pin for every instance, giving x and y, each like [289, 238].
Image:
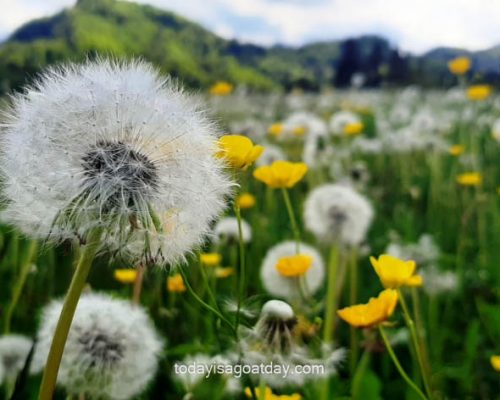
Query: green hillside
[179, 47]
[199, 58]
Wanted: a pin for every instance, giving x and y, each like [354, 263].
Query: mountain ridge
[199, 57]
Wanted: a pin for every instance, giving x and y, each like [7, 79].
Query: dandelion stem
[293, 220]
[330, 307]
[330, 294]
[68, 311]
[139, 278]
[242, 271]
[19, 285]
[416, 343]
[398, 365]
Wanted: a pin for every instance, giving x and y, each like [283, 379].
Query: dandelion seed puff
[14, 350]
[337, 213]
[116, 145]
[270, 154]
[289, 287]
[112, 349]
[273, 341]
[438, 282]
[312, 124]
[227, 229]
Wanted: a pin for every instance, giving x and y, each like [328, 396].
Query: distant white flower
[112, 349]
[438, 282]
[271, 154]
[337, 213]
[114, 145]
[311, 124]
[340, 119]
[495, 130]
[423, 252]
[289, 287]
[365, 145]
[227, 229]
[318, 152]
[14, 350]
[251, 127]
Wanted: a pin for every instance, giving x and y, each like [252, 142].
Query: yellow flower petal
[495, 362]
[459, 65]
[175, 284]
[394, 273]
[377, 310]
[238, 151]
[479, 92]
[210, 259]
[125, 275]
[245, 200]
[294, 266]
[281, 174]
[470, 179]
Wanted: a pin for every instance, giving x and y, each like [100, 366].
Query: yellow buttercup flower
[376, 311]
[269, 395]
[470, 179]
[479, 92]
[299, 130]
[125, 275]
[495, 362]
[221, 88]
[175, 284]
[224, 272]
[281, 174]
[275, 129]
[394, 272]
[294, 266]
[210, 259]
[245, 200]
[456, 150]
[238, 151]
[353, 128]
[459, 65]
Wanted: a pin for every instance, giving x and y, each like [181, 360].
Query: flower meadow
[222, 244]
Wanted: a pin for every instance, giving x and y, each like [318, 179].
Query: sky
[414, 25]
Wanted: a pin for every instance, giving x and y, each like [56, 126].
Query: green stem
[242, 272]
[19, 285]
[68, 311]
[293, 220]
[398, 365]
[416, 344]
[330, 308]
[330, 294]
[353, 299]
[207, 306]
[358, 375]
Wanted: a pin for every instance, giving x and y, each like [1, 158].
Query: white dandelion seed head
[289, 288]
[437, 282]
[227, 229]
[14, 350]
[112, 144]
[335, 212]
[270, 154]
[304, 119]
[112, 349]
[318, 152]
[340, 119]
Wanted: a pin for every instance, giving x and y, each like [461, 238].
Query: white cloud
[414, 25]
